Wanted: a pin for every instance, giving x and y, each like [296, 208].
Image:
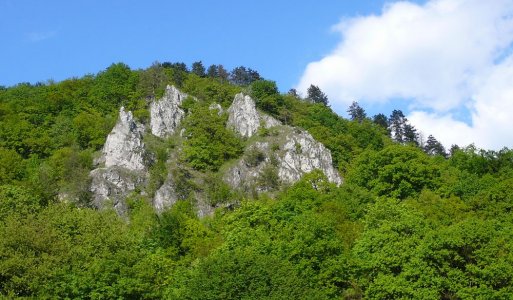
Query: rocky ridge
[286, 152]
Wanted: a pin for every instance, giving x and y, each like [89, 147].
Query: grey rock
[269, 121]
[165, 113]
[303, 154]
[292, 153]
[110, 186]
[244, 118]
[125, 165]
[124, 146]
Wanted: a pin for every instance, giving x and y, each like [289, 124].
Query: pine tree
[400, 130]
[381, 120]
[293, 93]
[244, 76]
[410, 134]
[198, 69]
[434, 147]
[356, 112]
[315, 95]
[222, 73]
[396, 126]
[212, 71]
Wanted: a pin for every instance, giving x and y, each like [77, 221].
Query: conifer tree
[434, 147]
[380, 120]
[356, 112]
[315, 95]
[198, 69]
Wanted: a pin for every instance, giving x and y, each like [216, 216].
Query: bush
[254, 157]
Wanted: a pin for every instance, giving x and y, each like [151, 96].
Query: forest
[411, 220]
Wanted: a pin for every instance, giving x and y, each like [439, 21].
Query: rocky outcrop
[124, 164]
[280, 156]
[244, 118]
[166, 114]
[290, 154]
[124, 146]
[303, 154]
[110, 187]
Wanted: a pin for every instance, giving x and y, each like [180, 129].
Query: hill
[170, 183]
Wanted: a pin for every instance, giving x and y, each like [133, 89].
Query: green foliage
[210, 90]
[16, 200]
[315, 95]
[253, 157]
[268, 178]
[403, 225]
[263, 88]
[208, 142]
[69, 253]
[158, 149]
[396, 171]
[11, 166]
[218, 192]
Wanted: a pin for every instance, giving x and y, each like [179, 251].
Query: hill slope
[214, 199]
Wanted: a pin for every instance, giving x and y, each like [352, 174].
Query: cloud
[35, 37]
[438, 57]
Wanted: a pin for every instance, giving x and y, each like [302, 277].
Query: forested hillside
[409, 221]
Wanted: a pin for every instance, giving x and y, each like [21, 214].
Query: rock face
[290, 154]
[165, 113]
[244, 118]
[303, 154]
[125, 165]
[110, 186]
[124, 146]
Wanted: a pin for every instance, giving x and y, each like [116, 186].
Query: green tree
[356, 112]
[244, 76]
[11, 166]
[434, 147]
[209, 143]
[380, 120]
[198, 69]
[396, 171]
[315, 95]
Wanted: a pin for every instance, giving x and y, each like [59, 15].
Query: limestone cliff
[289, 152]
[122, 165]
[124, 146]
[166, 114]
[273, 157]
[244, 118]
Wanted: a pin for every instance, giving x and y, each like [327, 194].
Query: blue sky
[446, 63]
[61, 39]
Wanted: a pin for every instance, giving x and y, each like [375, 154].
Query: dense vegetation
[410, 221]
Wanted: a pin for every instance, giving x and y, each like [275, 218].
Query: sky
[447, 64]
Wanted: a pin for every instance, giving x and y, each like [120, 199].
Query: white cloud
[443, 55]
